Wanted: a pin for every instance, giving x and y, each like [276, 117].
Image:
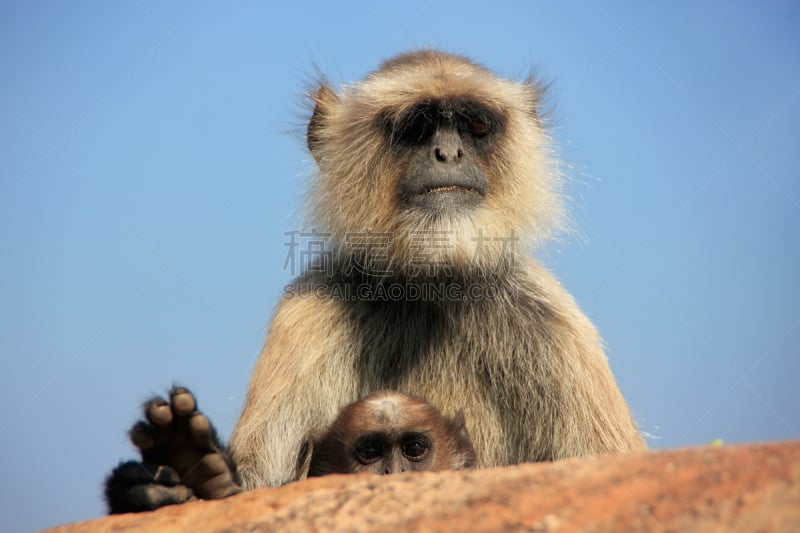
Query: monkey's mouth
[451, 188]
[439, 197]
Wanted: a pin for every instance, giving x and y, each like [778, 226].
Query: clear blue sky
[150, 165]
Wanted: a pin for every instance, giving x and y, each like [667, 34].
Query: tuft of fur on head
[355, 189]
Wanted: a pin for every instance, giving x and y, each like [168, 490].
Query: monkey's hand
[182, 459]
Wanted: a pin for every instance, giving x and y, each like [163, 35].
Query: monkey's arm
[595, 417]
[304, 375]
[182, 459]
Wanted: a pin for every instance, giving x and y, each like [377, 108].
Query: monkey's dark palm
[182, 458]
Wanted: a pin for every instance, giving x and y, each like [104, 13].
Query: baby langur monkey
[390, 432]
[183, 459]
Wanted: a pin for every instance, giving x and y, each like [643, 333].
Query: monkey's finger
[142, 435]
[211, 478]
[183, 402]
[134, 473]
[200, 428]
[158, 412]
[152, 496]
[166, 475]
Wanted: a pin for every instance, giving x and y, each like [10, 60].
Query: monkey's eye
[368, 451]
[415, 130]
[478, 127]
[411, 128]
[414, 450]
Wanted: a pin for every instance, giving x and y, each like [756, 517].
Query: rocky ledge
[730, 488]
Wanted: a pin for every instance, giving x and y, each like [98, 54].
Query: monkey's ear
[463, 442]
[324, 99]
[459, 426]
[537, 95]
[304, 460]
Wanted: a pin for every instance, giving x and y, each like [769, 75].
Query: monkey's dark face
[392, 453]
[438, 155]
[443, 146]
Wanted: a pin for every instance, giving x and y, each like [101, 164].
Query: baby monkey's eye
[368, 451]
[414, 450]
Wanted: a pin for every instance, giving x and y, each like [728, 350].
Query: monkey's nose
[445, 155]
[446, 146]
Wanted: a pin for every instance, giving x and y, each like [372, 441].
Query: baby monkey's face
[392, 452]
[390, 432]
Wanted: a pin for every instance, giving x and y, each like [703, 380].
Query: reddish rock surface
[738, 488]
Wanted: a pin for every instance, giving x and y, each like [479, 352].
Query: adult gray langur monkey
[453, 165]
[435, 177]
